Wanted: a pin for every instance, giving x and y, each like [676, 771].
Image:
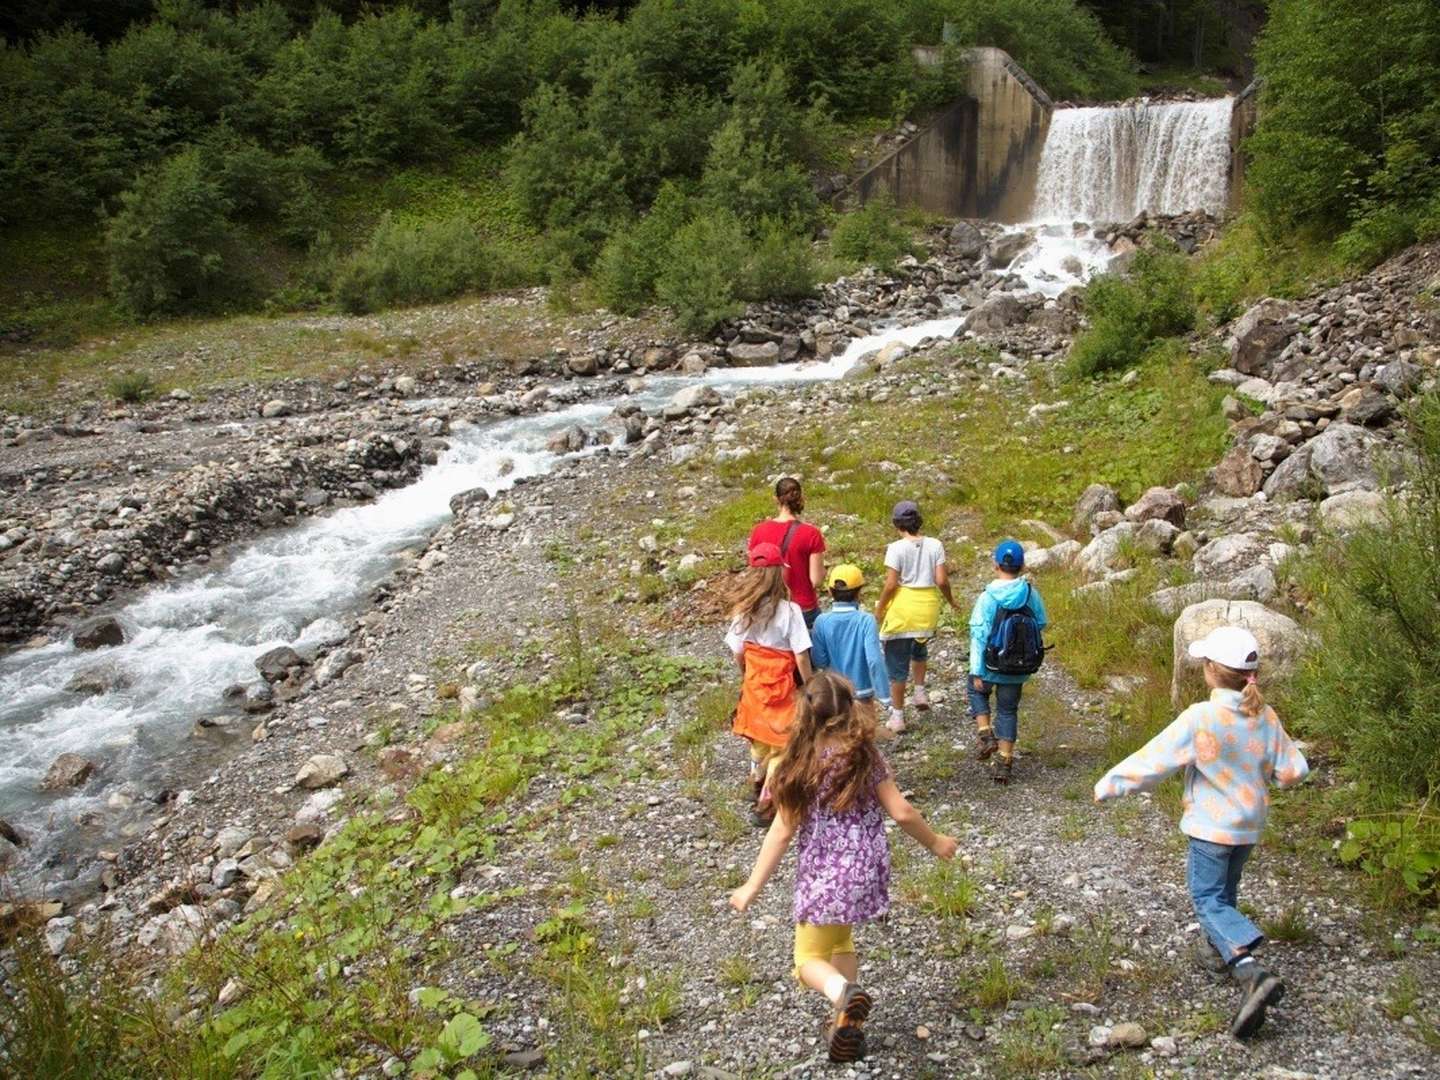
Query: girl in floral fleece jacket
[1231, 748]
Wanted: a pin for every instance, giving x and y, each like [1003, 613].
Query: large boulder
[1104, 553]
[100, 632]
[1259, 335]
[997, 313]
[275, 664]
[1007, 248]
[1227, 557]
[67, 771]
[1096, 499]
[1291, 478]
[322, 770]
[1281, 640]
[1352, 510]
[1158, 504]
[1400, 377]
[1345, 457]
[1238, 473]
[686, 401]
[966, 241]
[747, 354]
[464, 500]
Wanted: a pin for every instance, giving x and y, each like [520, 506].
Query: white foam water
[1109, 163]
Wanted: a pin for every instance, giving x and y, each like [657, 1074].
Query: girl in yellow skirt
[769, 640]
[909, 609]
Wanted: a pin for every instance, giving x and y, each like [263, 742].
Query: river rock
[1129, 1034]
[1369, 408]
[323, 633]
[302, 838]
[685, 401]
[334, 665]
[231, 839]
[405, 385]
[1352, 510]
[1096, 499]
[996, 313]
[276, 407]
[1158, 503]
[466, 499]
[1226, 556]
[1291, 478]
[693, 364]
[67, 771]
[1238, 473]
[322, 770]
[97, 680]
[1006, 249]
[103, 631]
[276, 663]
[1156, 536]
[584, 364]
[966, 241]
[13, 835]
[1281, 639]
[756, 354]
[1344, 458]
[58, 934]
[1400, 377]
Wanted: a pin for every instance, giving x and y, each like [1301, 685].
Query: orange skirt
[767, 695]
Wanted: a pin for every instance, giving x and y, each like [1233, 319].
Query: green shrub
[132, 386]
[423, 263]
[699, 281]
[631, 260]
[1130, 314]
[780, 266]
[166, 245]
[1371, 684]
[871, 236]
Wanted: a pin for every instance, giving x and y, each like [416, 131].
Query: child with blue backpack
[1006, 648]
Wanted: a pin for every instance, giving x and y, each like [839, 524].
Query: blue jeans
[899, 651]
[1005, 720]
[1212, 872]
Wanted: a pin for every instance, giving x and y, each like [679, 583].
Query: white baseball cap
[1232, 646]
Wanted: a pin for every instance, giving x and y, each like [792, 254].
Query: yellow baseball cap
[846, 576]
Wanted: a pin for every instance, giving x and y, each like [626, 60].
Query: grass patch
[1033, 1046]
[993, 987]
[943, 889]
[1290, 925]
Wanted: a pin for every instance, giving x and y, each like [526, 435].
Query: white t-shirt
[915, 560]
[785, 630]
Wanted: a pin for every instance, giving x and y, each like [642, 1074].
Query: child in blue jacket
[847, 641]
[1009, 591]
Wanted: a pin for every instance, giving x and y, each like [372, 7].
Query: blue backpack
[1015, 646]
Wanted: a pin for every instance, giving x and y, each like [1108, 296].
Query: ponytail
[788, 495]
[1252, 701]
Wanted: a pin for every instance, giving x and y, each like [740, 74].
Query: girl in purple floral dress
[833, 789]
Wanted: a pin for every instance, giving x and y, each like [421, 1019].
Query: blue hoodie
[1000, 594]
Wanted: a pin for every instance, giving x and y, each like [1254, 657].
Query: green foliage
[871, 236]
[1059, 42]
[780, 264]
[1129, 314]
[699, 278]
[1349, 130]
[1372, 684]
[425, 262]
[166, 244]
[1404, 851]
[631, 260]
[1246, 264]
[132, 387]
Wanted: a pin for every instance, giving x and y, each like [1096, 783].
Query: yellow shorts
[813, 942]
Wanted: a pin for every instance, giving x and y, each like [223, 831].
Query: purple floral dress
[843, 875]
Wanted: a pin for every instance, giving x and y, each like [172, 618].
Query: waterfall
[1109, 163]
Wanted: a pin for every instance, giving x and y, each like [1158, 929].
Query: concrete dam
[1007, 153]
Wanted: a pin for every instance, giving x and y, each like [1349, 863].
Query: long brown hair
[826, 713]
[788, 495]
[1252, 701]
[757, 594]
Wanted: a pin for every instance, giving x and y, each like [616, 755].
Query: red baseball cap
[766, 554]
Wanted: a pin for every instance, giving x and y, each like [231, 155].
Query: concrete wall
[979, 157]
[1242, 123]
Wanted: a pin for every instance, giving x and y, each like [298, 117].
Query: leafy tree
[167, 242]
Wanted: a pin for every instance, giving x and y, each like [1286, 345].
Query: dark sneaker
[855, 1006]
[1000, 769]
[985, 744]
[1261, 990]
[844, 1043]
[1208, 957]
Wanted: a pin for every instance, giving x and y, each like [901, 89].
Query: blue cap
[1009, 555]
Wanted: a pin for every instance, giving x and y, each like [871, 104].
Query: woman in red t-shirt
[801, 546]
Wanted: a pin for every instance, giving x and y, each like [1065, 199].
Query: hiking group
[812, 686]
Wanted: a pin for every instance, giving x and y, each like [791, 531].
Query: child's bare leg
[827, 977]
[982, 722]
[917, 672]
[897, 695]
[1007, 747]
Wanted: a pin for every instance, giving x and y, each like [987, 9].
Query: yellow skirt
[914, 613]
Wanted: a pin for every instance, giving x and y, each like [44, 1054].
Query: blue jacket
[1000, 594]
[847, 641]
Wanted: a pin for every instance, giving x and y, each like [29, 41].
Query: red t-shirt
[804, 542]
